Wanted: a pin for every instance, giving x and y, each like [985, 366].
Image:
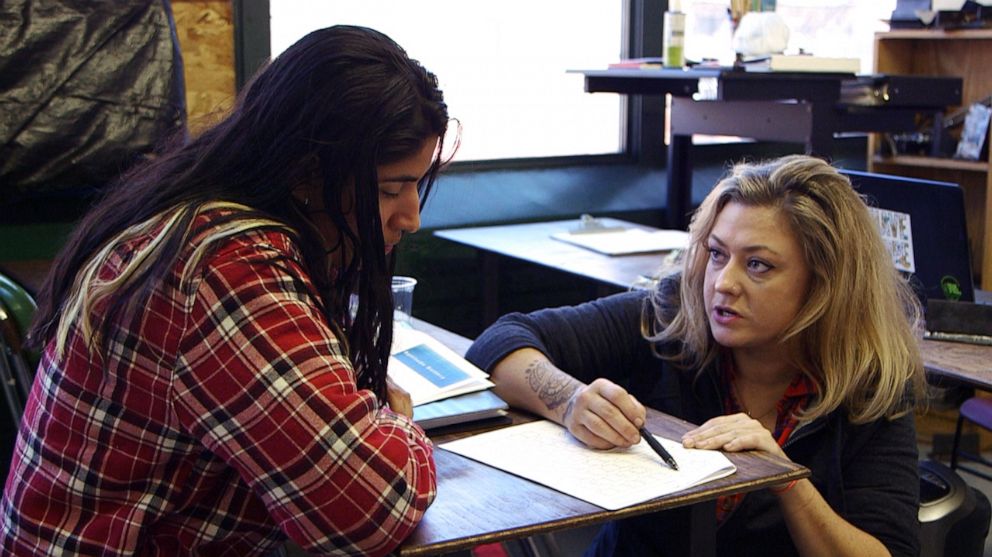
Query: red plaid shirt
[797, 396]
[220, 419]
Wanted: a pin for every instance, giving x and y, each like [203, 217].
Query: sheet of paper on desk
[627, 241]
[429, 370]
[546, 453]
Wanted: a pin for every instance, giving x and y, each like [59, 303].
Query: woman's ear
[308, 191]
[348, 197]
[304, 195]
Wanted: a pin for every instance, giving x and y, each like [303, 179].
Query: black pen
[658, 448]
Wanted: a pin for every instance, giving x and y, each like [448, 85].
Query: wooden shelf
[936, 34]
[961, 53]
[933, 162]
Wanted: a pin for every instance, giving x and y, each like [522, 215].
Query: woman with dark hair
[788, 330]
[205, 388]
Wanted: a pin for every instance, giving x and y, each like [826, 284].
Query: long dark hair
[330, 109]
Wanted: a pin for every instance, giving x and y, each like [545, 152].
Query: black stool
[954, 517]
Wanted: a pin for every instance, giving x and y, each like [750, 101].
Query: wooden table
[477, 504]
[965, 363]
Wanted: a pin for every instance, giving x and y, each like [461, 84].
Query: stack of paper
[546, 453]
[429, 370]
[446, 389]
[638, 63]
[480, 405]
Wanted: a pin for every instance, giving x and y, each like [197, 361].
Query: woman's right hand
[603, 415]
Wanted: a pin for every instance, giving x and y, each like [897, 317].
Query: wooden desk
[533, 242]
[750, 104]
[966, 363]
[477, 504]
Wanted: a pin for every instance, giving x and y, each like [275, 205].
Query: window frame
[643, 138]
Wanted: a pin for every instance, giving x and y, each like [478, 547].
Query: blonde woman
[788, 330]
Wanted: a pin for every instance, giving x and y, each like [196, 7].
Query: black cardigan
[867, 473]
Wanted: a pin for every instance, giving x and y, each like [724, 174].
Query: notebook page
[546, 453]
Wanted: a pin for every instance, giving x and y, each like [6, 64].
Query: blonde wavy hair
[858, 328]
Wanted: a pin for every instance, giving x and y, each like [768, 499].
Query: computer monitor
[923, 224]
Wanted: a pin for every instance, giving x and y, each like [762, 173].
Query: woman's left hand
[736, 432]
[399, 400]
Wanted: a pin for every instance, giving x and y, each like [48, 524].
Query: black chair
[977, 410]
[17, 364]
[12, 366]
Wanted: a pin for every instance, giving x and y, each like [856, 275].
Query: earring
[306, 202]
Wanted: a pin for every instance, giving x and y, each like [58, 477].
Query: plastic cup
[403, 298]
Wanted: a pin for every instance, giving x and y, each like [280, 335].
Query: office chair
[21, 304]
[17, 364]
[976, 410]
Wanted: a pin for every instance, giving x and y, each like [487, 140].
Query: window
[502, 67]
[843, 28]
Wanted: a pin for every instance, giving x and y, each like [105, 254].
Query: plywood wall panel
[206, 37]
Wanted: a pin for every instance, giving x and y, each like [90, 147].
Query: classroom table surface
[966, 363]
[533, 242]
[478, 504]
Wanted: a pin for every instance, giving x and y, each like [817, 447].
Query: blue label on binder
[431, 365]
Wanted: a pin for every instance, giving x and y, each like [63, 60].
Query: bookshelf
[962, 53]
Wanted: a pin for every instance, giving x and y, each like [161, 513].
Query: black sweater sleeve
[601, 338]
[881, 482]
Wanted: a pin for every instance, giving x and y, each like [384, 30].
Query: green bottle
[673, 42]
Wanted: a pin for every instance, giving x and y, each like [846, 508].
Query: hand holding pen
[603, 415]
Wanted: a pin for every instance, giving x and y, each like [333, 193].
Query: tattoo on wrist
[568, 408]
[554, 389]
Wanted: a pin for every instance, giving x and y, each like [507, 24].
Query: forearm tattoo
[554, 389]
[568, 409]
